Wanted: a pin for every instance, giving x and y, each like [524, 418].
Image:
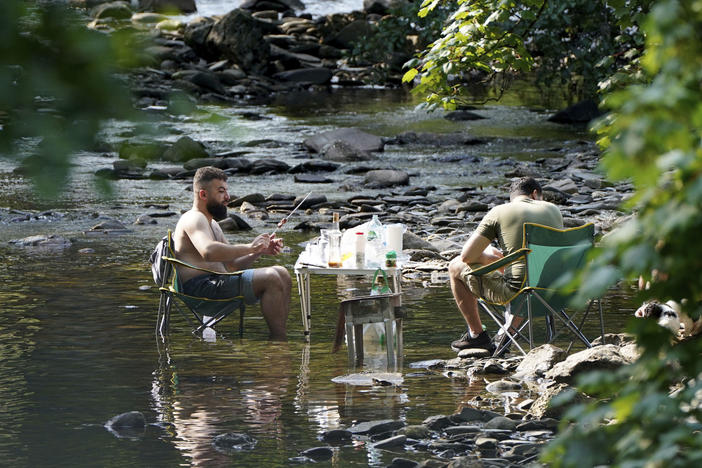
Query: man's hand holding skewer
[267, 244]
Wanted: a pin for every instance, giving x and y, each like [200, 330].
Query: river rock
[538, 361]
[382, 178]
[605, 357]
[109, 225]
[52, 241]
[318, 453]
[501, 386]
[411, 240]
[468, 414]
[234, 223]
[461, 115]
[185, 149]
[376, 427]
[145, 219]
[312, 179]
[403, 463]
[132, 419]
[563, 185]
[436, 139]
[239, 37]
[114, 10]
[542, 408]
[437, 422]
[473, 352]
[269, 166]
[352, 136]
[337, 435]
[394, 441]
[579, 113]
[548, 424]
[233, 441]
[169, 6]
[381, 7]
[344, 152]
[208, 81]
[318, 75]
[284, 5]
[351, 34]
[314, 166]
[311, 201]
[416, 431]
[501, 423]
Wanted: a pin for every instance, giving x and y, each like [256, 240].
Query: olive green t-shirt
[506, 224]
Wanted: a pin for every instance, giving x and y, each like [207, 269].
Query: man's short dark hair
[524, 186]
[207, 174]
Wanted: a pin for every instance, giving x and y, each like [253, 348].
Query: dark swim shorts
[215, 286]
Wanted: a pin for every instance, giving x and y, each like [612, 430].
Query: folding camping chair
[200, 307]
[549, 253]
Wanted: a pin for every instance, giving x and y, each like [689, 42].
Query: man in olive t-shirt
[504, 223]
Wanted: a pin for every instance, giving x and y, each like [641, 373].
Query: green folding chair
[549, 253]
[199, 307]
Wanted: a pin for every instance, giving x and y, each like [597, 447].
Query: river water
[77, 342]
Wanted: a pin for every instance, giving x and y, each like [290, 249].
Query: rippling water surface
[77, 342]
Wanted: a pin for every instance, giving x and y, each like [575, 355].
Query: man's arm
[474, 251]
[202, 236]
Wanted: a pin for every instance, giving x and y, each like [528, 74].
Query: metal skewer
[285, 220]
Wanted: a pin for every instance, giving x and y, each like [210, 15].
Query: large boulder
[542, 408]
[169, 6]
[382, 178]
[604, 357]
[185, 149]
[539, 361]
[195, 35]
[352, 136]
[579, 113]
[239, 37]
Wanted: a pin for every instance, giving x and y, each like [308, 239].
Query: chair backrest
[555, 252]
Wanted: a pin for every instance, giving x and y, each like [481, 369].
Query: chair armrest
[182, 263]
[504, 261]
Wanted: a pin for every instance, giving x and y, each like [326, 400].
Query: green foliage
[57, 84]
[652, 137]
[389, 45]
[575, 43]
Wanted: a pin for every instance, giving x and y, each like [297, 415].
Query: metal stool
[383, 308]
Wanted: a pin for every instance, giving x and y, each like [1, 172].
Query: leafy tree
[57, 84]
[648, 413]
[653, 137]
[574, 43]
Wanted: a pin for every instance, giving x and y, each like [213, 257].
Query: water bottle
[374, 243]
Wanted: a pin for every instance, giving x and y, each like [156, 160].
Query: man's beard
[217, 210]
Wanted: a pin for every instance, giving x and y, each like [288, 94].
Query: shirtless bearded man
[199, 241]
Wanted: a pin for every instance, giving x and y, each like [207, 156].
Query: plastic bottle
[360, 249]
[374, 244]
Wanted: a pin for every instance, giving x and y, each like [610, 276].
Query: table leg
[303, 290]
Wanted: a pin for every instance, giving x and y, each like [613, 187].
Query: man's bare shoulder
[191, 219]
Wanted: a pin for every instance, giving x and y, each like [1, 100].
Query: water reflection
[200, 394]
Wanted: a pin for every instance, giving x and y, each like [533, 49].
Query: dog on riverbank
[670, 315]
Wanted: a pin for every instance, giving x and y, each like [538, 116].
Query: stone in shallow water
[500, 386]
[391, 442]
[369, 378]
[376, 427]
[233, 441]
[336, 435]
[473, 353]
[134, 419]
[502, 423]
[318, 453]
